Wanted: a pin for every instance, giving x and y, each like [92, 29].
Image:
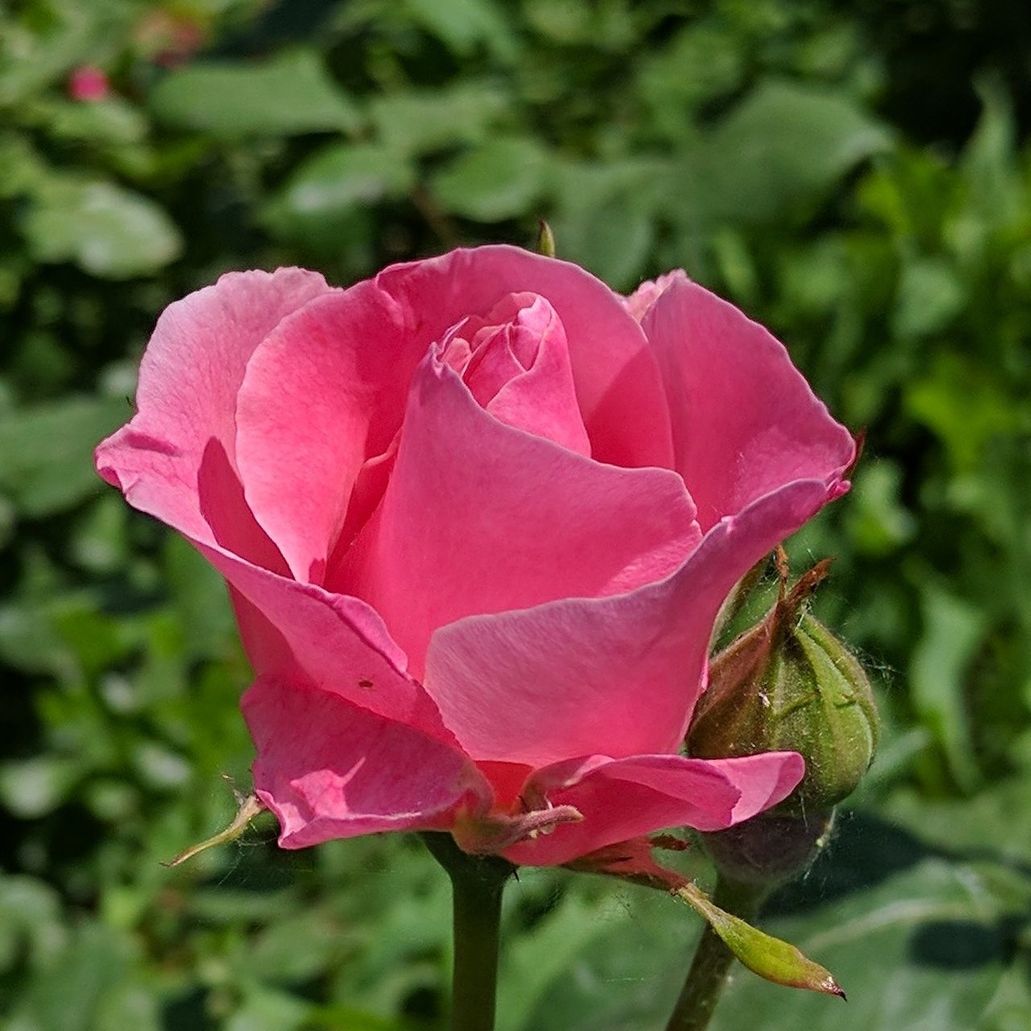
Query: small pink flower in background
[477, 516]
[88, 82]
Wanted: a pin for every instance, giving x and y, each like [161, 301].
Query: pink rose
[477, 516]
[88, 83]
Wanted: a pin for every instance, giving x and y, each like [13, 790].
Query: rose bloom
[477, 516]
[87, 82]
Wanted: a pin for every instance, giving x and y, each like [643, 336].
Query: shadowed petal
[627, 798]
[338, 643]
[323, 394]
[328, 769]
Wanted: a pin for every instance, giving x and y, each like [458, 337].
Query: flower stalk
[477, 885]
[710, 967]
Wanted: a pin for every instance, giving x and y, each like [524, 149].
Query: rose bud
[478, 516]
[787, 684]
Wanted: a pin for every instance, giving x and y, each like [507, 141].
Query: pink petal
[323, 393]
[337, 643]
[744, 420]
[480, 517]
[641, 300]
[176, 459]
[627, 798]
[328, 769]
[617, 382]
[518, 369]
[618, 675]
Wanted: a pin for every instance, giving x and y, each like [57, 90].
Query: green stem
[477, 884]
[710, 967]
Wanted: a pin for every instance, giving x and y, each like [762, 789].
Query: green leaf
[909, 195]
[500, 179]
[129, 1005]
[877, 520]
[22, 165]
[99, 543]
[287, 95]
[612, 240]
[922, 950]
[74, 989]
[565, 21]
[30, 913]
[962, 824]
[602, 27]
[29, 641]
[34, 787]
[989, 165]
[464, 24]
[199, 595]
[264, 1009]
[702, 62]
[626, 975]
[295, 948]
[327, 209]
[105, 229]
[953, 630]
[339, 180]
[965, 404]
[421, 121]
[111, 121]
[736, 267]
[605, 216]
[779, 151]
[46, 452]
[930, 296]
[530, 963]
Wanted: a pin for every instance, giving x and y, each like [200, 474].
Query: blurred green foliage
[785, 152]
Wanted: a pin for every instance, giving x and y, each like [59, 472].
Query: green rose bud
[788, 684]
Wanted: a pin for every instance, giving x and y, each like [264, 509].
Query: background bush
[855, 176]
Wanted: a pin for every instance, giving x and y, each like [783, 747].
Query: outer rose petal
[176, 459]
[480, 517]
[330, 770]
[619, 675]
[339, 644]
[617, 383]
[641, 300]
[627, 798]
[744, 419]
[322, 394]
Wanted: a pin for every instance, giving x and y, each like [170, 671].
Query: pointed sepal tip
[769, 957]
[247, 809]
